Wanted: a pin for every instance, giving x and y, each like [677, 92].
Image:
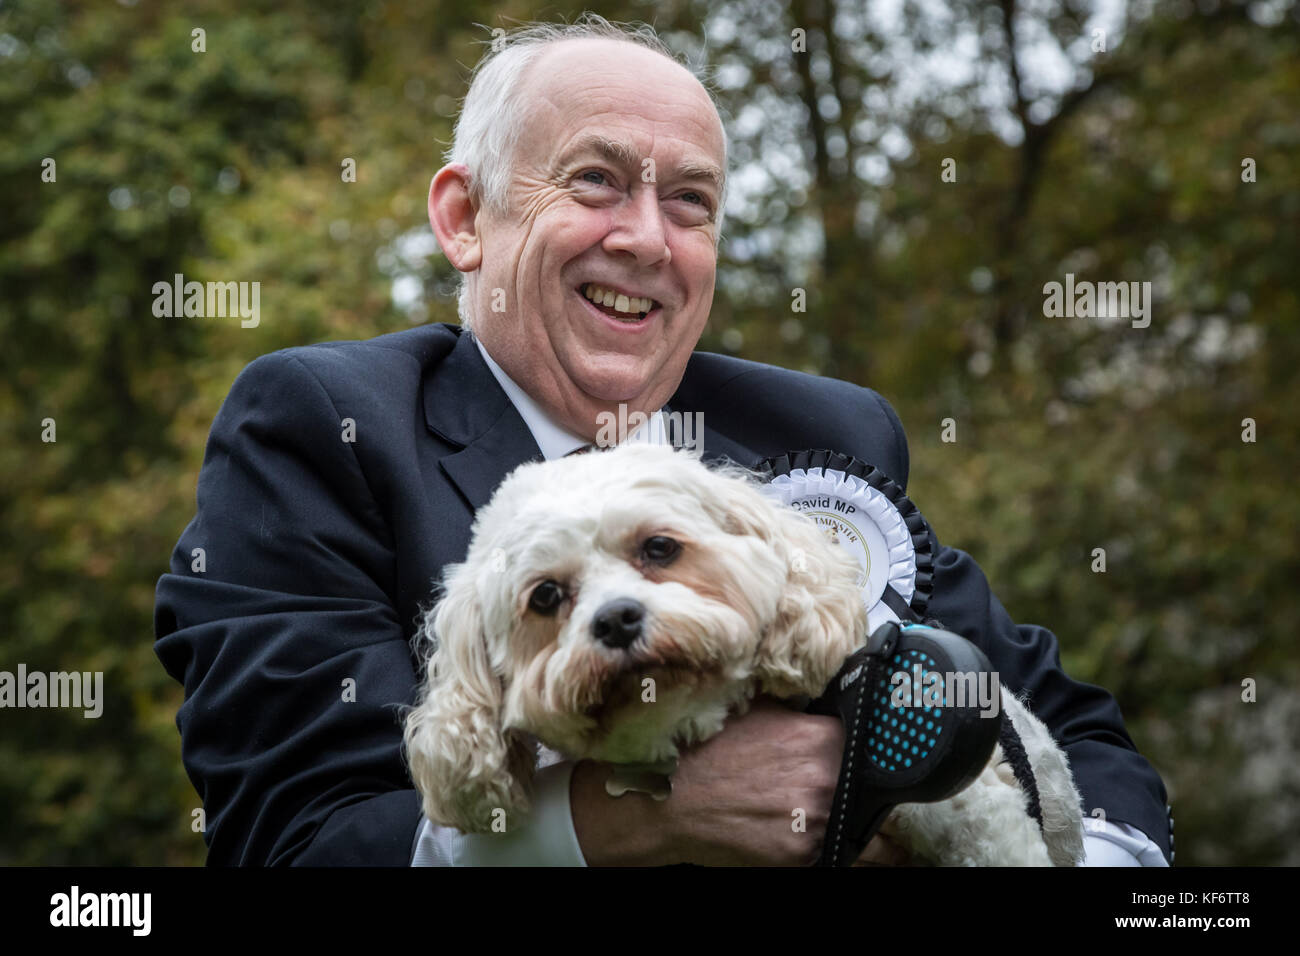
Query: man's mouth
[618, 305]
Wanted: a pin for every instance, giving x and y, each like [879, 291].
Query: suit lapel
[464, 405]
[477, 469]
[718, 448]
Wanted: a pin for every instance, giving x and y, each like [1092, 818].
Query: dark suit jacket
[318, 554]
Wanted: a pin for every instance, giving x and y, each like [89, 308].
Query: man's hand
[882, 851]
[736, 799]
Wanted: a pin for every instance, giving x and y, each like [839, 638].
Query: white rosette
[867, 515]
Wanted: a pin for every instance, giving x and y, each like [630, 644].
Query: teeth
[628, 305]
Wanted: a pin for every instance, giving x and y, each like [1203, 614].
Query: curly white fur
[731, 614]
[988, 823]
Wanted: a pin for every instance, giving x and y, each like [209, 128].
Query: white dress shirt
[548, 837]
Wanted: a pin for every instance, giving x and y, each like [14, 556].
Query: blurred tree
[1073, 434]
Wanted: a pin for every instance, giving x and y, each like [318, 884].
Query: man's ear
[453, 217]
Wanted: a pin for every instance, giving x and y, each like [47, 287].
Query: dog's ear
[820, 618]
[471, 773]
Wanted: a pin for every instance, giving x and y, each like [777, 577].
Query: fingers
[882, 851]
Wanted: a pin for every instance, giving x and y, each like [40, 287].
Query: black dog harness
[906, 740]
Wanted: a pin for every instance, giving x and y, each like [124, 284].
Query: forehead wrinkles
[673, 151]
[680, 136]
[656, 94]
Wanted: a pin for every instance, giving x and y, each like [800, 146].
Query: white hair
[491, 117]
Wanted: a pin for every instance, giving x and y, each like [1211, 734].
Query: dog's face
[613, 605]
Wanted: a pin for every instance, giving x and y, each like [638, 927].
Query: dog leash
[901, 749]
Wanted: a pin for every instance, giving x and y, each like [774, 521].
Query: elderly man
[340, 479]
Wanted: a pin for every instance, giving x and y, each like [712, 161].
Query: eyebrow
[617, 151]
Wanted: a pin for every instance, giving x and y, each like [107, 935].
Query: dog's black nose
[618, 623]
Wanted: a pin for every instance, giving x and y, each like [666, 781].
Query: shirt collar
[553, 439]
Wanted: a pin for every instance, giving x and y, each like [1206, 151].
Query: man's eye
[600, 179]
[660, 549]
[546, 598]
[699, 203]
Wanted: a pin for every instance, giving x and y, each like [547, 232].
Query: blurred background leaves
[1072, 434]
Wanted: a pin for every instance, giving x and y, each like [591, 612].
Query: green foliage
[1072, 435]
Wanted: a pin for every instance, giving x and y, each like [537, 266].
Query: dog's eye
[546, 598]
[660, 549]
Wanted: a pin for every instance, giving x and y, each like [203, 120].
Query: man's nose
[618, 623]
[639, 228]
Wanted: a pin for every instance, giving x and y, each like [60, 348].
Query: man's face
[614, 187]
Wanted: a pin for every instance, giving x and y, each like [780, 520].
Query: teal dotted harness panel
[905, 733]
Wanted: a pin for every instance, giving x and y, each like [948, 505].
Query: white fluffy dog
[590, 574]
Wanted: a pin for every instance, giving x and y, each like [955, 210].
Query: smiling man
[615, 195]
[583, 204]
